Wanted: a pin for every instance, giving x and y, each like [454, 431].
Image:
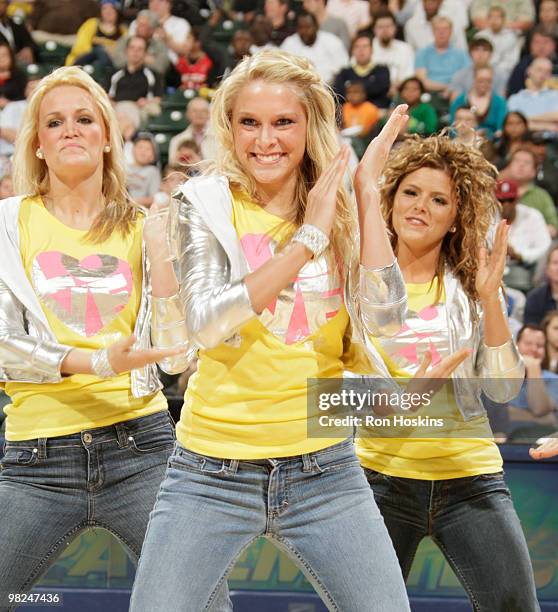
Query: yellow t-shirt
[460, 448]
[247, 399]
[90, 295]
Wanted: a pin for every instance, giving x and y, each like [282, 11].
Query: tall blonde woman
[265, 250]
[88, 432]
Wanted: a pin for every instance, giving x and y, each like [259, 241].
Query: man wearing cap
[528, 237]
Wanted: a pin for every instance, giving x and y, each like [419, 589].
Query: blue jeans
[317, 508]
[473, 522]
[53, 489]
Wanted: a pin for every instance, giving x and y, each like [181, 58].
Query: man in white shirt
[418, 30]
[323, 49]
[504, 41]
[327, 22]
[355, 13]
[198, 130]
[397, 55]
[173, 31]
[528, 238]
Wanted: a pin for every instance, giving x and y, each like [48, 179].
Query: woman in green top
[423, 119]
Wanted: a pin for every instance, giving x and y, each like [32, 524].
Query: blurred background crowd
[485, 71]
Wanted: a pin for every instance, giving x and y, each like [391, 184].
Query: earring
[453, 229]
[39, 153]
[106, 148]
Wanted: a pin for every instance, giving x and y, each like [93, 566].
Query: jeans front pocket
[19, 455]
[188, 461]
[152, 441]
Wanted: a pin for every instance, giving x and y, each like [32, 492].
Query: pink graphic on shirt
[409, 351]
[298, 311]
[86, 295]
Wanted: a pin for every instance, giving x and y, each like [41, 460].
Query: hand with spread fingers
[432, 380]
[491, 266]
[373, 161]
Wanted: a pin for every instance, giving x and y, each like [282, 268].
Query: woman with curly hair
[446, 481]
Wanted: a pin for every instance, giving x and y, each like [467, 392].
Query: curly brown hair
[473, 179]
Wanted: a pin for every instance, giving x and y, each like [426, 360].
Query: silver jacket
[211, 267]
[29, 351]
[496, 371]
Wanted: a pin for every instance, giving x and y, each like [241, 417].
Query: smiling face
[71, 133]
[269, 132]
[424, 209]
[532, 343]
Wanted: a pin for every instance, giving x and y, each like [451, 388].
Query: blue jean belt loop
[41, 448]
[232, 467]
[306, 463]
[122, 436]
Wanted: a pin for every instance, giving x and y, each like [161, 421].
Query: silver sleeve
[168, 330]
[502, 371]
[25, 358]
[214, 307]
[382, 299]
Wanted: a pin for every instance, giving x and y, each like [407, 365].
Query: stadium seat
[169, 121]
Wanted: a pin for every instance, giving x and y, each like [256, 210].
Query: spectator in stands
[136, 82]
[489, 107]
[544, 299]
[59, 20]
[522, 169]
[240, 47]
[419, 32]
[528, 238]
[144, 177]
[397, 55]
[129, 120]
[423, 119]
[282, 26]
[323, 49]
[12, 79]
[548, 17]
[542, 45]
[188, 158]
[537, 101]
[550, 327]
[533, 411]
[355, 14]
[157, 52]
[505, 42]
[97, 37]
[515, 132]
[195, 67]
[480, 52]
[17, 36]
[12, 116]
[544, 146]
[464, 125]
[198, 130]
[364, 68]
[357, 111]
[171, 178]
[261, 33]
[520, 14]
[436, 64]
[6, 187]
[327, 22]
[172, 30]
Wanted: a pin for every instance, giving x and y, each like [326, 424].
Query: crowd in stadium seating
[484, 70]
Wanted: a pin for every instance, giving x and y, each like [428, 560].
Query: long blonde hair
[473, 180]
[273, 66]
[31, 173]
